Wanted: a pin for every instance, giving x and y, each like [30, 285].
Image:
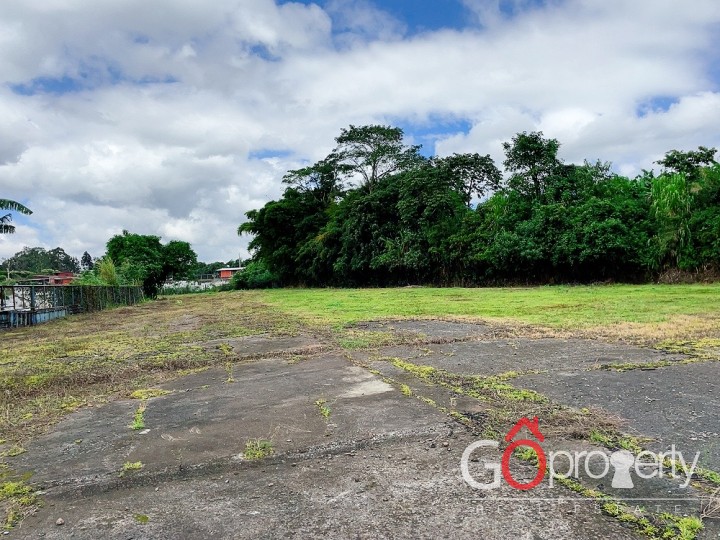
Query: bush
[88, 277]
[255, 275]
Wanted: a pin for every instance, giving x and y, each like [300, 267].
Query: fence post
[32, 304]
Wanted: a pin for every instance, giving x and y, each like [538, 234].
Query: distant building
[227, 273]
[58, 278]
[61, 278]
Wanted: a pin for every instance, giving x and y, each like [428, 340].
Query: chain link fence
[25, 305]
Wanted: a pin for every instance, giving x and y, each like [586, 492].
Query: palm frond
[7, 204]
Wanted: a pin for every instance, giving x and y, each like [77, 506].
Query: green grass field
[559, 306]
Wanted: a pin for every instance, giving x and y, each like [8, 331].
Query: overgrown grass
[17, 499]
[51, 369]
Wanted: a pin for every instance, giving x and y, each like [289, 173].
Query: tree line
[130, 259]
[375, 212]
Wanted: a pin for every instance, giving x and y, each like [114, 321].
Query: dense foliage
[376, 212]
[37, 260]
[143, 259]
[131, 259]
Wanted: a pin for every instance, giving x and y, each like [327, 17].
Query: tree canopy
[38, 260]
[375, 212]
[143, 259]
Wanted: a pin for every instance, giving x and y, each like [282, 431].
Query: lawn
[580, 307]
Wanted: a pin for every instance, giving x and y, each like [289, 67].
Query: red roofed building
[227, 273]
[58, 278]
[61, 278]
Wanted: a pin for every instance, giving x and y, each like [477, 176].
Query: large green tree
[373, 153]
[143, 259]
[531, 159]
[286, 232]
[469, 174]
[689, 163]
[179, 259]
[86, 261]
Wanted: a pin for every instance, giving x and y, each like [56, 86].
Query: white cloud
[179, 100]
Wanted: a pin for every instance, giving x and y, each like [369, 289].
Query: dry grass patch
[51, 369]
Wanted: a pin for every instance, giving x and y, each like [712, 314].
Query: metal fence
[24, 305]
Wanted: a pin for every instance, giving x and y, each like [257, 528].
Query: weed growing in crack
[666, 526]
[527, 454]
[258, 449]
[707, 475]
[146, 393]
[616, 441]
[229, 369]
[13, 451]
[138, 422]
[482, 388]
[711, 508]
[323, 408]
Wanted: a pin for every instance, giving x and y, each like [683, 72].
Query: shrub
[255, 275]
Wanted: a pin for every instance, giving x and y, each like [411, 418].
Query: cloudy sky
[175, 117]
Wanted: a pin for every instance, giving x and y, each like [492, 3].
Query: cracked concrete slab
[493, 357]
[394, 489]
[207, 418]
[266, 345]
[677, 405]
[429, 329]
[379, 464]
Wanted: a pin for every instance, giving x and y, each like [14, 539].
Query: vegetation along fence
[25, 305]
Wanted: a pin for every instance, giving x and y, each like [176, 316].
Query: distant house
[61, 278]
[227, 273]
[58, 278]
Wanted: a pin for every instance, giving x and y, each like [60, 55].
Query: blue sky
[176, 118]
[422, 15]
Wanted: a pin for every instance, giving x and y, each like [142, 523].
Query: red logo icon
[534, 428]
